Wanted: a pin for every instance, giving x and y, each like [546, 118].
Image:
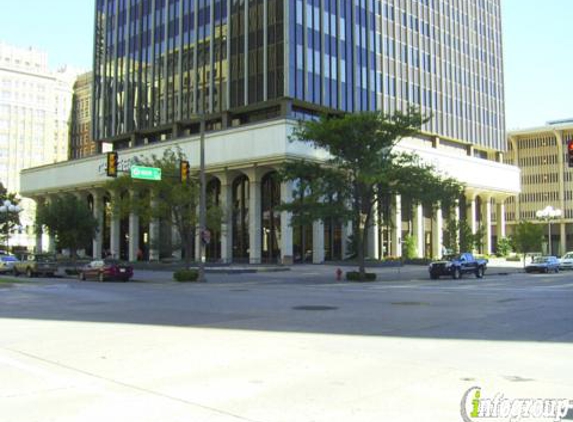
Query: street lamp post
[6, 209]
[547, 214]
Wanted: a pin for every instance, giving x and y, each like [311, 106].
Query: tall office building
[35, 104]
[255, 67]
[547, 180]
[161, 62]
[81, 141]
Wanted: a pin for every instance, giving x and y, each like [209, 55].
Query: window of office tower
[157, 62]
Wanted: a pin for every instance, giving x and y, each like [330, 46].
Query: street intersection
[281, 346]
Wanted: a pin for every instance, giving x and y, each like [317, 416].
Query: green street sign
[145, 173]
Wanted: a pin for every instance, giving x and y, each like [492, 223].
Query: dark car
[457, 265]
[543, 264]
[106, 269]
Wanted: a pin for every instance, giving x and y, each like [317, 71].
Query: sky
[538, 46]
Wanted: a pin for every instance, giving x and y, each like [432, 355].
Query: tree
[458, 236]
[168, 199]
[8, 220]
[362, 168]
[452, 235]
[69, 220]
[528, 237]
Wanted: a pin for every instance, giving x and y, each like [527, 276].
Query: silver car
[543, 264]
[566, 261]
[7, 263]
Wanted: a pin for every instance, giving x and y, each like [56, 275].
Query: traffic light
[570, 152]
[112, 164]
[184, 171]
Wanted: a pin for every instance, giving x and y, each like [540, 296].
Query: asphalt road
[290, 346]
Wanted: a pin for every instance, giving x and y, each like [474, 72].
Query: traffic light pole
[202, 200]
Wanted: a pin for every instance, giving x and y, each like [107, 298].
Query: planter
[355, 276]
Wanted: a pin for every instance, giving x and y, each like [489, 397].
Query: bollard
[338, 274]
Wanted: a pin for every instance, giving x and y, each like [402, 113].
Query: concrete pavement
[274, 347]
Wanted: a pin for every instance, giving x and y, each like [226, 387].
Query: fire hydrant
[338, 274]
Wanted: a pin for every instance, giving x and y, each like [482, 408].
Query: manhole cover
[410, 303]
[239, 290]
[506, 300]
[314, 308]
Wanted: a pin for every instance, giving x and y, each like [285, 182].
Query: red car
[106, 269]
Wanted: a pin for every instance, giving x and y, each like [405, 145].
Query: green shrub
[355, 276]
[513, 258]
[409, 249]
[504, 246]
[186, 275]
[72, 271]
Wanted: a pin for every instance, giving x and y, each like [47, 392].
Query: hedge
[186, 275]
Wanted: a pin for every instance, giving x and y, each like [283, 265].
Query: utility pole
[202, 200]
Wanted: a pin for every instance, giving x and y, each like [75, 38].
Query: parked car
[106, 269]
[566, 261]
[457, 265]
[543, 264]
[36, 264]
[7, 263]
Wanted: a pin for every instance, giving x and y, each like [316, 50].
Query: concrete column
[418, 230]
[397, 227]
[471, 211]
[133, 234]
[346, 235]
[318, 242]
[51, 244]
[371, 232]
[255, 226]
[115, 226]
[39, 246]
[456, 217]
[97, 242]
[437, 232]
[486, 212]
[286, 240]
[227, 224]
[81, 197]
[500, 227]
[51, 237]
[39, 233]
[154, 225]
[176, 240]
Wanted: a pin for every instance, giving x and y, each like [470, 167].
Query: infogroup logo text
[474, 407]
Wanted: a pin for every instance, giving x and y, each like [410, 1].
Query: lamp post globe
[8, 208]
[547, 214]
